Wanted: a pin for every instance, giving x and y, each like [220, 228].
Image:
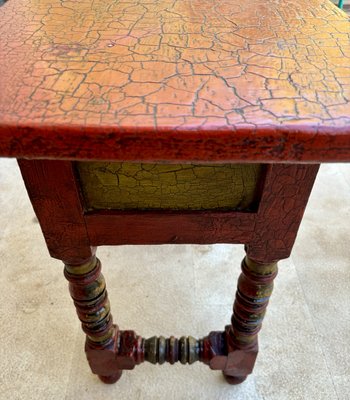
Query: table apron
[117, 228]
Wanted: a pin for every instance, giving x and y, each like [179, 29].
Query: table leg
[88, 290]
[55, 197]
[254, 289]
[110, 350]
[286, 191]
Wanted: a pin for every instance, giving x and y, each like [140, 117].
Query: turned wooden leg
[254, 289]
[88, 290]
[110, 350]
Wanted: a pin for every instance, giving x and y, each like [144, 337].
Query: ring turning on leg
[110, 350]
[88, 290]
[254, 289]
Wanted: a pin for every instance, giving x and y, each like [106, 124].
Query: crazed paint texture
[159, 80]
[128, 186]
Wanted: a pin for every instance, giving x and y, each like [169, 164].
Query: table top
[203, 80]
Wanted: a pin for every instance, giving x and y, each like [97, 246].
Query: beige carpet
[179, 290]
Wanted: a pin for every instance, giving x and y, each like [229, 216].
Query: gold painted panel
[143, 186]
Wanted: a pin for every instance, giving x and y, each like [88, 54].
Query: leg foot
[254, 289]
[109, 351]
[234, 380]
[88, 290]
[111, 378]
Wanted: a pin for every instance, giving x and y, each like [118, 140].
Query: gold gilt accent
[135, 186]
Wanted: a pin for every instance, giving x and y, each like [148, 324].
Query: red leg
[109, 350]
[253, 292]
[54, 193]
[284, 198]
[88, 290]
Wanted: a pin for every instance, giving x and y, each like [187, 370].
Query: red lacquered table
[172, 122]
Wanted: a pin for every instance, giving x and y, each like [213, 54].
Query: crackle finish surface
[202, 79]
[127, 186]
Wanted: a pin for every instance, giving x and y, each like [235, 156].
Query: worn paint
[135, 186]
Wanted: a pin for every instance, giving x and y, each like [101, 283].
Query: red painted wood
[186, 81]
[268, 144]
[254, 289]
[286, 191]
[180, 81]
[269, 233]
[169, 227]
[54, 196]
[88, 291]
